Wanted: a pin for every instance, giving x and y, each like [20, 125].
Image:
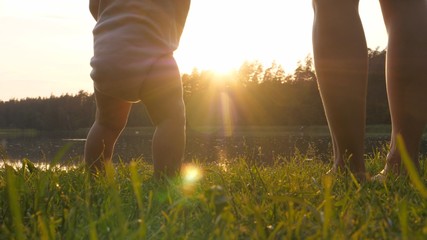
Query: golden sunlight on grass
[43, 166]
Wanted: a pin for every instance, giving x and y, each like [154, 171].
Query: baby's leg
[406, 23]
[163, 98]
[111, 118]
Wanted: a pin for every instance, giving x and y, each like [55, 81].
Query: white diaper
[130, 35]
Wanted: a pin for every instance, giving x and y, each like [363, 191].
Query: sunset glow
[52, 55]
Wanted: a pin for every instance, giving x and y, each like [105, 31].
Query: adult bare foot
[338, 170]
[391, 168]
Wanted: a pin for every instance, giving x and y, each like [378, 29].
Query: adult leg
[111, 118]
[163, 98]
[406, 23]
[341, 63]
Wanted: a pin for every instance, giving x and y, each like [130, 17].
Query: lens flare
[191, 174]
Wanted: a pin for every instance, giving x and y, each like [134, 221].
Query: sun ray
[227, 122]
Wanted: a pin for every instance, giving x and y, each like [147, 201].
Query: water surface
[259, 144]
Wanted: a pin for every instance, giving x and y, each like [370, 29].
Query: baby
[133, 61]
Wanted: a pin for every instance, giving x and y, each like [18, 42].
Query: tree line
[252, 95]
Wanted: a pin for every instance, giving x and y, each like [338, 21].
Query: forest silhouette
[252, 95]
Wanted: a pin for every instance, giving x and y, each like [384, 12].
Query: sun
[207, 61]
[221, 39]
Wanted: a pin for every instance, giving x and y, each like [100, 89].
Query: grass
[231, 199]
[18, 132]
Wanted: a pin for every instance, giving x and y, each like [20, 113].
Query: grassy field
[231, 199]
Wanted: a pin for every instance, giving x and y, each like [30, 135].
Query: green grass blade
[136, 184]
[14, 203]
[403, 219]
[93, 234]
[328, 211]
[42, 227]
[410, 167]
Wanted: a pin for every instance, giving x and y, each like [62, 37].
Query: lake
[203, 144]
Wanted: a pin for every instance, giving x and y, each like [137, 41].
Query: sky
[46, 45]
